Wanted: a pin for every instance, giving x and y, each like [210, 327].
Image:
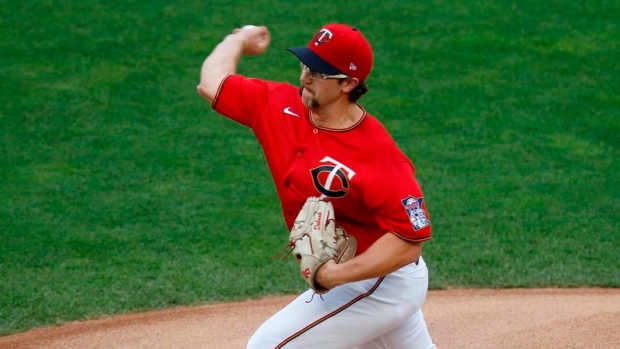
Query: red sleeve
[397, 198]
[238, 98]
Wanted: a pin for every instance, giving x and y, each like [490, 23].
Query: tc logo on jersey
[332, 179]
[416, 213]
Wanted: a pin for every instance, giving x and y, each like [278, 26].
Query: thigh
[312, 321]
[346, 316]
[412, 334]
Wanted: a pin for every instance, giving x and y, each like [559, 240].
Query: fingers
[256, 39]
[260, 34]
[252, 31]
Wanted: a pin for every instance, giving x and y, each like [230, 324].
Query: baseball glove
[316, 239]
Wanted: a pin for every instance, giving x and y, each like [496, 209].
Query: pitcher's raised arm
[249, 40]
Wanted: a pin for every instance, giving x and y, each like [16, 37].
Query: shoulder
[376, 130]
[238, 81]
[247, 100]
[383, 144]
[236, 90]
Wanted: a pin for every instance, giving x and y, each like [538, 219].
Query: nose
[305, 77]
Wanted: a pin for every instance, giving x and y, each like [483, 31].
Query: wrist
[235, 38]
[331, 275]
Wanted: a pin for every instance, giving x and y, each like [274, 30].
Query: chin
[307, 98]
[307, 103]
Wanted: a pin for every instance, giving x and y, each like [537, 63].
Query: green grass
[121, 190]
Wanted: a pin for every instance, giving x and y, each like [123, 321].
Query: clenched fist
[255, 39]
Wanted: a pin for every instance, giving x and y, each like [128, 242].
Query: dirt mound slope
[463, 319]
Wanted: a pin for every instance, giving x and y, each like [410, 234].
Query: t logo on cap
[323, 36]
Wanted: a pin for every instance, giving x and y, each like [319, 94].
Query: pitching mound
[463, 319]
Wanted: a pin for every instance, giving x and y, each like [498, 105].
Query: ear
[349, 84]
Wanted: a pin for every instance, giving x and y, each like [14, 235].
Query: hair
[357, 92]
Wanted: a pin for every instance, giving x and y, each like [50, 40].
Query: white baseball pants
[381, 313]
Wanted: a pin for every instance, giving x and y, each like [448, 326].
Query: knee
[254, 343]
[251, 344]
[262, 339]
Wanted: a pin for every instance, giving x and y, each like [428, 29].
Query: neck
[337, 118]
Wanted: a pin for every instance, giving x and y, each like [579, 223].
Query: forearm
[385, 256]
[249, 40]
[220, 63]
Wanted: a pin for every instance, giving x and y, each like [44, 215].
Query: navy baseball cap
[337, 49]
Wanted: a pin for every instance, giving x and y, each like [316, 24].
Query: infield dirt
[463, 319]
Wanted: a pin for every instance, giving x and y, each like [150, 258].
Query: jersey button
[316, 130]
[299, 154]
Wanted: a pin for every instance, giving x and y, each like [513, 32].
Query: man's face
[316, 93]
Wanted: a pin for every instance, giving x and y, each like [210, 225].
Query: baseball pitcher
[356, 214]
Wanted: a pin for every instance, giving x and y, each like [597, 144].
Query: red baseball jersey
[361, 170]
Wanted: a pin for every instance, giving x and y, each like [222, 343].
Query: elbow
[204, 93]
[413, 253]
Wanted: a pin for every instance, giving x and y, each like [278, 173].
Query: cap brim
[312, 60]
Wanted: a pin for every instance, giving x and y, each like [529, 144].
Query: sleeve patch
[415, 211]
